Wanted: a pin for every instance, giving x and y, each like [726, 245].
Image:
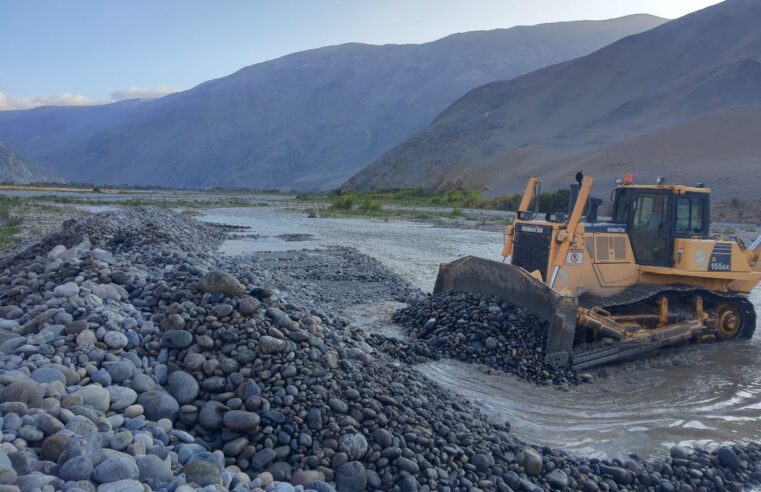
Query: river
[694, 396]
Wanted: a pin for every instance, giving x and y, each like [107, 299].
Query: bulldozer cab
[655, 216]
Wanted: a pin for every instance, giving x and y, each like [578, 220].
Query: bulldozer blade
[518, 287]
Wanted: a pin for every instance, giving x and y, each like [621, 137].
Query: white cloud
[140, 93]
[8, 102]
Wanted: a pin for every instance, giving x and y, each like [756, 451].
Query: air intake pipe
[594, 208]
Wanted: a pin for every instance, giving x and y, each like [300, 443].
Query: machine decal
[609, 228]
[721, 258]
[575, 257]
[534, 229]
[701, 259]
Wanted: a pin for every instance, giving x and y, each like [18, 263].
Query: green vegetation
[5, 208]
[9, 222]
[403, 203]
[8, 236]
[343, 202]
[370, 206]
[372, 209]
[457, 199]
[7, 205]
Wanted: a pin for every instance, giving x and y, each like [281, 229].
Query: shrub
[343, 202]
[370, 205]
[504, 202]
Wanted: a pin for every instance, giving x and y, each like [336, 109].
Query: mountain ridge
[305, 121]
[497, 135]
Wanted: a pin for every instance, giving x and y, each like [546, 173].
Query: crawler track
[642, 298]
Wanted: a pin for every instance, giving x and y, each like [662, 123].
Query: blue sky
[86, 51]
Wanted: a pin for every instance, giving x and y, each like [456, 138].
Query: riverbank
[23, 220]
[134, 354]
[450, 210]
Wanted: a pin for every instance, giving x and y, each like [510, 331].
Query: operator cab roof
[674, 188]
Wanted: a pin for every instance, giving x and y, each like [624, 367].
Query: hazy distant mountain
[305, 121]
[16, 170]
[675, 101]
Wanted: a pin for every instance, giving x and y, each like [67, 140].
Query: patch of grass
[6, 202]
[343, 202]
[7, 205]
[360, 212]
[460, 198]
[370, 205]
[68, 200]
[370, 210]
[419, 215]
[9, 236]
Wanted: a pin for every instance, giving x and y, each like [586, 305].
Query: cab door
[650, 228]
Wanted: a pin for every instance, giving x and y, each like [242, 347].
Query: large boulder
[159, 405]
[351, 477]
[202, 473]
[26, 391]
[221, 282]
[183, 387]
[532, 461]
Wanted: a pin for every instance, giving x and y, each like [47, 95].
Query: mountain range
[682, 100]
[306, 121]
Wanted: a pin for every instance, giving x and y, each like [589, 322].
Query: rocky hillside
[305, 121]
[679, 101]
[17, 170]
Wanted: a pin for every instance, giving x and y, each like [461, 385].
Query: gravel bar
[133, 357]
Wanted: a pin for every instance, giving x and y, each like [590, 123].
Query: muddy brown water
[694, 396]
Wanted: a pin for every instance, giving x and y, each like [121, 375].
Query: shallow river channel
[694, 396]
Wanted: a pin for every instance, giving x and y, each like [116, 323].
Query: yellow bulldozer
[652, 275]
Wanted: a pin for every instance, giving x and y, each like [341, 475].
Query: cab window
[623, 202]
[651, 229]
[652, 212]
[689, 215]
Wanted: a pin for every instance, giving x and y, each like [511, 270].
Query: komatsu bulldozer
[653, 275]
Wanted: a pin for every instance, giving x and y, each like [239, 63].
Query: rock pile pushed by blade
[482, 330]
